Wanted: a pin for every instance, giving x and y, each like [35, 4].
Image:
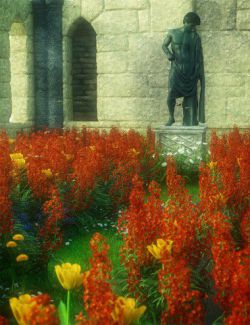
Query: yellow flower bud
[69, 275]
[158, 250]
[18, 237]
[125, 309]
[22, 258]
[11, 141]
[212, 164]
[47, 172]
[11, 243]
[18, 160]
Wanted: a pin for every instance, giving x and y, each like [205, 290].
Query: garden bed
[113, 204]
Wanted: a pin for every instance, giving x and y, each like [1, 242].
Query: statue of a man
[187, 69]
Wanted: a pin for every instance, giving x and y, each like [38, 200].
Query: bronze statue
[187, 68]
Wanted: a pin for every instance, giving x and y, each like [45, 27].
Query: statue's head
[191, 20]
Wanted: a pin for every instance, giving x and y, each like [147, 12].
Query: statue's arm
[165, 46]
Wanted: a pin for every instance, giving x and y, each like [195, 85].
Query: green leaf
[62, 313]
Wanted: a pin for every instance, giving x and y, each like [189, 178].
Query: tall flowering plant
[100, 302]
[140, 225]
[6, 221]
[224, 192]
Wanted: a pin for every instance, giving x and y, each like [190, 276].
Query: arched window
[83, 70]
[19, 73]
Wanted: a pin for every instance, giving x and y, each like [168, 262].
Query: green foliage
[62, 310]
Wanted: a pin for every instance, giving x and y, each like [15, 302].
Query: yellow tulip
[18, 237]
[47, 172]
[11, 243]
[22, 258]
[21, 308]
[11, 141]
[158, 250]
[125, 309]
[69, 275]
[18, 160]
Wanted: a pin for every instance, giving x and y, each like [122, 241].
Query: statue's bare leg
[171, 101]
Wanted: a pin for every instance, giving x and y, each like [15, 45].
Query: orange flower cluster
[184, 305]
[82, 158]
[182, 224]
[50, 233]
[98, 298]
[5, 169]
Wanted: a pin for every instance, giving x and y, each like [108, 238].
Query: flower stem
[68, 303]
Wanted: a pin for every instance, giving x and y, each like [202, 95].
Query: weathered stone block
[167, 14]
[5, 45]
[112, 62]
[18, 43]
[11, 10]
[225, 92]
[108, 43]
[146, 54]
[28, 23]
[243, 19]
[237, 112]
[67, 110]
[157, 93]
[116, 22]
[248, 84]
[71, 12]
[128, 109]
[4, 70]
[215, 111]
[5, 91]
[21, 86]
[5, 109]
[158, 80]
[67, 49]
[225, 79]
[243, 4]
[23, 9]
[217, 14]
[125, 85]
[67, 90]
[126, 4]
[144, 20]
[91, 9]
[226, 52]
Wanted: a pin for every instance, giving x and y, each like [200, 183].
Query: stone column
[48, 63]
[40, 63]
[55, 82]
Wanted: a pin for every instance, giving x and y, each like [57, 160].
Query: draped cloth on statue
[187, 67]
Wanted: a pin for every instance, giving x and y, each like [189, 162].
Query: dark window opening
[84, 74]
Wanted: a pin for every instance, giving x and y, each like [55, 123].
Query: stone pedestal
[189, 141]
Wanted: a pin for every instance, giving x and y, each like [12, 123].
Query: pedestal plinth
[189, 141]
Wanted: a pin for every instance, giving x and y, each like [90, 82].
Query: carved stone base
[189, 141]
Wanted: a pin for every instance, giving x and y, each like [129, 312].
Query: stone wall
[132, 70]
[17, 87]
[225, 34]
